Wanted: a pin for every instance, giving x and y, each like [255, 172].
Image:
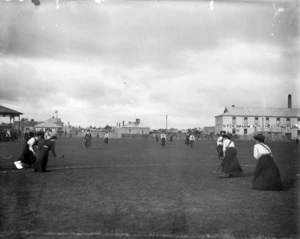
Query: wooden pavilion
[6, 112]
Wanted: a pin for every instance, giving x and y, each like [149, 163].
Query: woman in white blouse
[266, 172]
[230, 165]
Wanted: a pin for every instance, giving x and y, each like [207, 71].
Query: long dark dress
[106, 140]
[27, 156]
[88, 140]
[42, 156]
[230, 163]
[163, 141]
[266, 174]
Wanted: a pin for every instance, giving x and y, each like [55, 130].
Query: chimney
[290, 101]
[137, 121]
[233, 105]
[123, 123]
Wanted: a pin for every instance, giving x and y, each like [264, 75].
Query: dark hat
[259, 137]
[40, 133]
[223, 132]
[227, 136]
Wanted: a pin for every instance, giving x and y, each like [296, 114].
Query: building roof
[261, 111]
[26, 123]
[50, 123]
[135, 125]
[4, 111]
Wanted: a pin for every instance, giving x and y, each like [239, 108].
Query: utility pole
[166, 122]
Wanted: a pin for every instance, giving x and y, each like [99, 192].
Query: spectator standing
[192, 139]
[106, 138]
[88, 139]
[163, 139]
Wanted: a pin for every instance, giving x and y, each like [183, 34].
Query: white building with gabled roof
[134, 130]
[53, 123]
[272, 122]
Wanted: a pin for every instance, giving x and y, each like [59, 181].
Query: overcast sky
[102, 62]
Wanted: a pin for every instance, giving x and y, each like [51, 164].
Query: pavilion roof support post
[19, 124]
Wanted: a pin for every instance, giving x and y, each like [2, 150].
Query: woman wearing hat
[230, 165]
[266, 172]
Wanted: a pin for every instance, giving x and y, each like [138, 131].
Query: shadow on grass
[289, 183]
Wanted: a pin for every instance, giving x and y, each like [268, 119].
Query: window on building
[256, 121]
[278, 121]
[245, 131]
[288, 122]
[233, 120]
[129, 131]
[245, 120]
[267, 120]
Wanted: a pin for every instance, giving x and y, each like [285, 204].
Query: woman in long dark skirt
[43, 154]
[230, 165]
[29, 152]
[106, 138]
[266, 172]
[88, 139]
[163, 139]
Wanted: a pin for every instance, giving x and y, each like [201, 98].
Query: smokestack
[290, 101]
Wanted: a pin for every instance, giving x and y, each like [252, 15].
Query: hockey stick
[218, 169]
[57, 156]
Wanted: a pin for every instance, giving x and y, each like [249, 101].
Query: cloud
[98, 64]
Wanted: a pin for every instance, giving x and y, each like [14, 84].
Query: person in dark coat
[187, 139]
[230, 165]
[43, 154]
[29, 151]
[266, 172]
[88, 139]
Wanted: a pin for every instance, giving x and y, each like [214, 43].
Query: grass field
[138, 189]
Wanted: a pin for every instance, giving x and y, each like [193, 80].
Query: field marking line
[114, 235]
[112, 166]
[6, 157]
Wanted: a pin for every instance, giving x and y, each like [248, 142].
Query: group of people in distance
[88, 138]
[36, 150]
[190, 139]
[266, 172]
